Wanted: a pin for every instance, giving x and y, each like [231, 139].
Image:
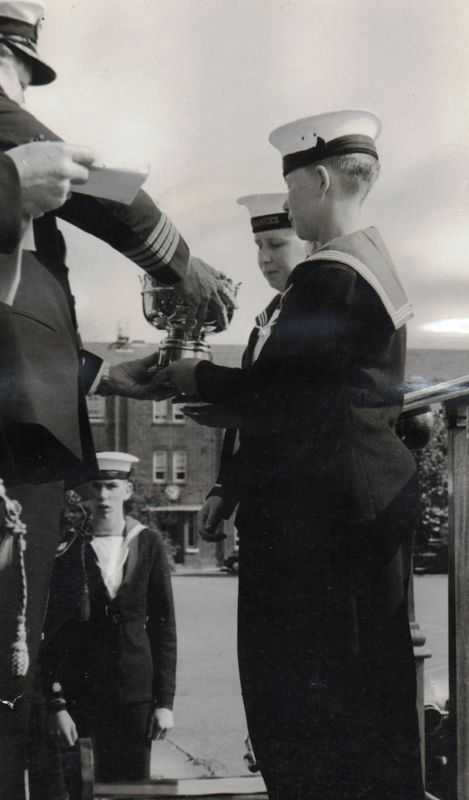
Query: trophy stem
[174, 349]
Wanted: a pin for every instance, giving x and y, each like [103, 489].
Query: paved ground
[431, 612]
[210, 726]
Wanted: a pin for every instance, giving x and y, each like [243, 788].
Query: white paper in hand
[113, 183]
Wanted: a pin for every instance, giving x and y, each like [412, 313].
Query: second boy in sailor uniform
[109, 659]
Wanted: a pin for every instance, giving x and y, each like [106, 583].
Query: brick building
[178, 458]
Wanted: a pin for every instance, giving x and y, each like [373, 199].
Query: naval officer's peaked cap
[19, 29]
[311, 139]
[114, 465]
[266, 211]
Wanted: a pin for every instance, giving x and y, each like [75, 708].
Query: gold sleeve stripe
[163, 254]
[163, 257]
[153, 241]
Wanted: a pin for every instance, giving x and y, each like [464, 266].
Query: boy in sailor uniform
[278, 252]
[109, 658]
[327, 493]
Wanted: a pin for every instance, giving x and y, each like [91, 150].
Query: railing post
[421, 653]
[415, 429]
[458, 598]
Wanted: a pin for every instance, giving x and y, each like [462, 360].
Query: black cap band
[16, 27]
[343, 145]
[270, 222]
[113, 474]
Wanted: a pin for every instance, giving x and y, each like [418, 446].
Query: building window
[160, 411]
[179, 466]
[160, 466]
[96, 408]
[191, 536]
[164, 412]
[176, 414]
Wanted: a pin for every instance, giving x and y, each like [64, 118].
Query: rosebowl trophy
[166, 310]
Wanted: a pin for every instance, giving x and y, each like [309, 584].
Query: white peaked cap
[114, 464]
[24, 10]
[266, 211]
[311, 139]
[19, 28]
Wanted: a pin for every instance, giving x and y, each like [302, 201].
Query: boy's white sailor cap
[266, 211]
[115, 465]
[336, 133]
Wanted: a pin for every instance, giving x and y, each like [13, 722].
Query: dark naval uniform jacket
[326, 503]
[322, 400]
[100, 650]
[229, 475]
[46, 434]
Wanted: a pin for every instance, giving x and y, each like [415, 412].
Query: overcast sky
[193, 87]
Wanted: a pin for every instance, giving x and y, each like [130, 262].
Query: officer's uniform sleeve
[312, 348]
[10, 206]
[161, 627]
[140, 231]
[10, 233]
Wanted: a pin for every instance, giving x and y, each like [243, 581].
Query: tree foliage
[433, 477]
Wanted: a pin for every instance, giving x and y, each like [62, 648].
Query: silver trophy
[167, 311]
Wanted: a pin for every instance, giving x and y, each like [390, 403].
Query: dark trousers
[121, 749]
[120, 742]
[325, 652]
[42, 506]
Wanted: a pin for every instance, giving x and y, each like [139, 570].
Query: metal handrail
[437, 393]
[454, 396]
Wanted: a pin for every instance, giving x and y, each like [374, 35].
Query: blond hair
[357, 171]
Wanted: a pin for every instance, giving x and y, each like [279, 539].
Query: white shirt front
[111, 553]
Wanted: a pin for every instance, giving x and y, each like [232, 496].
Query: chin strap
[13, 526]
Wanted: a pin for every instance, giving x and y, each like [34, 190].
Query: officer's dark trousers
[42, 506]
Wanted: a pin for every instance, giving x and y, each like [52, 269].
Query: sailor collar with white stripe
[379, 273]
[132, 529]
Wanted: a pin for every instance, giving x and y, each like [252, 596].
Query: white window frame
[162, 457]
[99, 403]
[179, 455]
[159, 412]
[176, 420]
